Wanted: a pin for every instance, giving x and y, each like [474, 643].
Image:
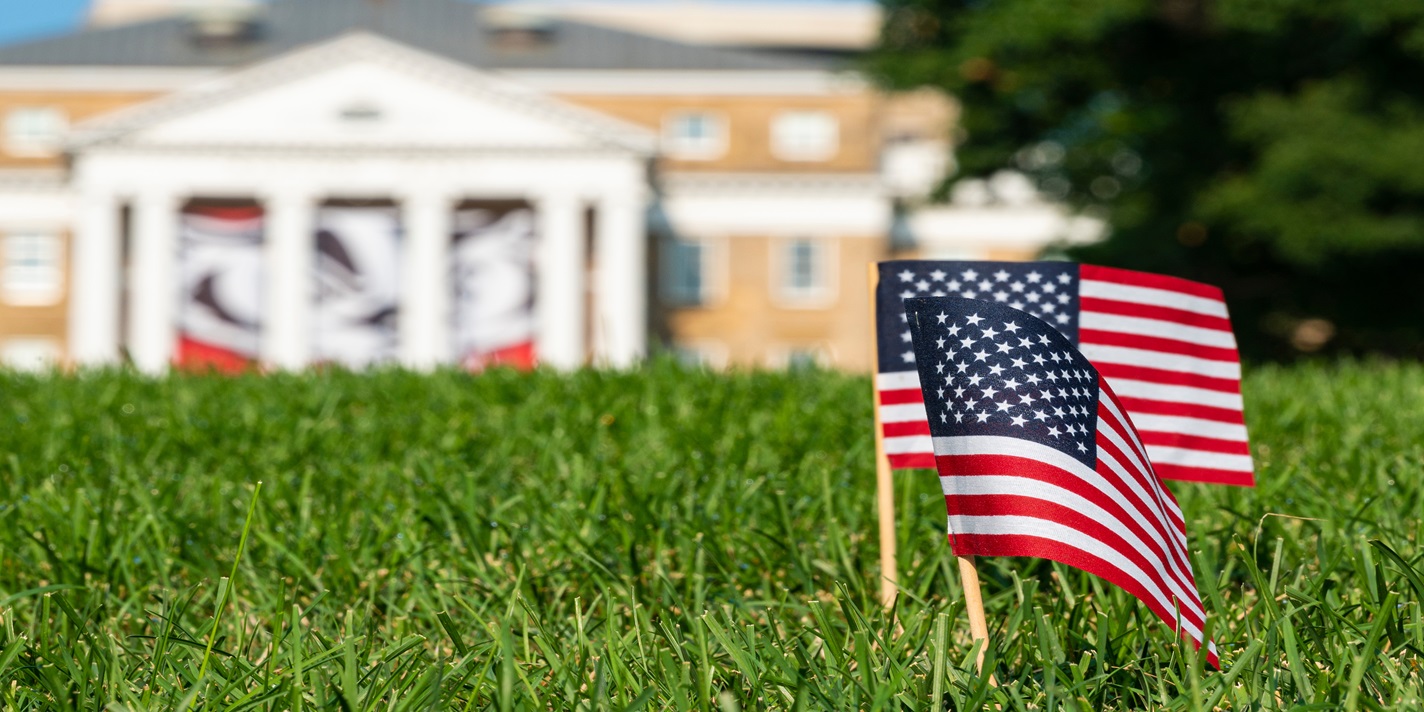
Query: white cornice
[101, 79]
[683, 83]
[733, 183]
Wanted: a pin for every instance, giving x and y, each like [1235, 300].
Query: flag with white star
[1037, 457]
[1165, 343]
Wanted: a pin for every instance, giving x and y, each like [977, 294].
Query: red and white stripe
[1167, 347]
[903, 424]
[1014, 497]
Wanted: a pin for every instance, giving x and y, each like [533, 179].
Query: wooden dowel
[884, 482]
[974, 605]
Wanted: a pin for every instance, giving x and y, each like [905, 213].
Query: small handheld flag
[1037, 456]
[1165, 343]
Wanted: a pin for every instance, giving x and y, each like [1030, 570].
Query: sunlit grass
[665, 539]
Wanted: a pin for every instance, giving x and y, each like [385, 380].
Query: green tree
[1273, 147]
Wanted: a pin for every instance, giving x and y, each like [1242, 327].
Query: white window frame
[714, 274]
[709, 353]
[823, 292]
[32, 285]
[784, 139]
[18, 143]
[780, 356]
[709, 148]
[30, 353]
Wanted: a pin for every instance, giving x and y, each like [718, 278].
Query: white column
[290, 251]
[560, 301]
[425, 280]
[152, 281]
[621, 246]
[94, 292]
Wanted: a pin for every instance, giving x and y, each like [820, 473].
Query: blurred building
[433, 181]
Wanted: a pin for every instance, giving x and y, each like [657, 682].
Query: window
[803, 270]
[695, 135]
[684, 272]
[32, 274]
[34, 131]
[701, 354]
[805, 136]
[29, 353]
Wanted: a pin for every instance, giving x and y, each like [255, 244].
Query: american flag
[1165, 343]
[1037, 457]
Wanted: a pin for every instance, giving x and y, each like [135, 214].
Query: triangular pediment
[364, 91]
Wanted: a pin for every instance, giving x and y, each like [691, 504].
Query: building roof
[456, 29]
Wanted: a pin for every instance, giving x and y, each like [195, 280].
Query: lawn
[664, 539]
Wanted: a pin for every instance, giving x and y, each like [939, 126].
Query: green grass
[665, 539]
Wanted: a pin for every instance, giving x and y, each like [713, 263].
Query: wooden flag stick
[974, 605]
[884, 483]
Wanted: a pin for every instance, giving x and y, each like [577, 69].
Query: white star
[975, 379]
[1025, 342]
[943, 418]
[1001, 276]
[953, 330]
[969, 294]
[1011, 327]
[906, 294]
[1032, 297]
[1011, 384]
[1017, 286]
[1061, 318]
[1001, 296]
[1017, 304]
[969, 274]
[980, 355]
[1057, 412]
[937, 275]
[953, 285]
[1003, 407]
[995, 370]
[924, 286]
[1018, 420]
[989, 333]
[908, 356]
[1039, 416]
[1003, 348]
[986, 285]
[1064, 299]
[990, 392]
[982, 416]
[959, 417]
[1049, 287]
[959, 392]
[1048, 307]
[974, 319]
[939, 343]
[1043, 339]
[1081, 448]
[1018, 363]
[1033, 379]
[941, 316]
[907, 276]
[1053, 430]
[1064, 278]
[966, 342]
[905, 337]
[1038, 358]
[937, 293]
[961, 367]
[1034, 277]
[1026, 398]
[939, 368]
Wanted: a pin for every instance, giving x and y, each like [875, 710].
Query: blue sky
[28, 19]
[24, 19]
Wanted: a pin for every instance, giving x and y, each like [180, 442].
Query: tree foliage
[1269, 146]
